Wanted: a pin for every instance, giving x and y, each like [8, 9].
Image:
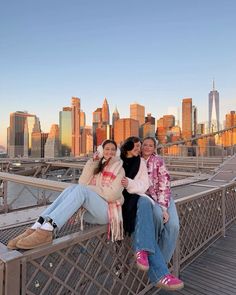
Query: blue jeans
[71, 199]
[166, 234]
[144, 239]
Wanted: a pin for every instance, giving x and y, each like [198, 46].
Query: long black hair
[102, 164]
[128, 145]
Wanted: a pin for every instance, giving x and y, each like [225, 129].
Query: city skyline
[152, 53]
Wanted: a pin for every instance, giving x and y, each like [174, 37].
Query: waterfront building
[76, 138]
[187, 118]
[52, 145]
[124, 128]
[214, 110]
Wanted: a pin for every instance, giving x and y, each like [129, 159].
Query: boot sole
[141, 267]
[170, 288]
[33, 247]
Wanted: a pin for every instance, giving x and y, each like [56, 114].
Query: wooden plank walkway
[214, 272]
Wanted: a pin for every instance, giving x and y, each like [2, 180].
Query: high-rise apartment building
[124, 128]
[75, 111]
[65, 127]
[214, 111]
[137, 112]
[187, 118]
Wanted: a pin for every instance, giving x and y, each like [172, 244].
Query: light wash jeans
[144, 239]
[71, 199]
[166, 234]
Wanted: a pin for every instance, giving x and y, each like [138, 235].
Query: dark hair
[151, 138]
[128, 145]
[101, 163]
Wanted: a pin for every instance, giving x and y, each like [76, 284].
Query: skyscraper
[36, 150]
[194, 121]
[75, 106]
[97, 123]
[105, 112]
[19, 139]
[214, 113]
[115, 116]
[187, 118]
[65, 127]
[125, 128]
[137, 112]
[52, 144]
[230, 119]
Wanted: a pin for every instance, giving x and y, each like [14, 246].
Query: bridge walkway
[214, 272]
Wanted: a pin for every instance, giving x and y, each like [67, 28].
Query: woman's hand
[96, 156]
[124, 182]
[165, 217]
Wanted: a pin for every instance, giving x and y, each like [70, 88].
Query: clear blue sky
[151, 52]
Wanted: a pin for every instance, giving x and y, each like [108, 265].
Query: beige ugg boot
[12, 243]
[38, 238]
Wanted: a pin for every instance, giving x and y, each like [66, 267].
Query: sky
[151, 52]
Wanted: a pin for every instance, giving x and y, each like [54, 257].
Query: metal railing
[86, 263]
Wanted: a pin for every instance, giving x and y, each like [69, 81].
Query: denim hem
[146, 249]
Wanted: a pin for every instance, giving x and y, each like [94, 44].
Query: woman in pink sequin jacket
[165, 213]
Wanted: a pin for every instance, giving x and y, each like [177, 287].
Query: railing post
[5, 205]
[176, 259]
[12, 272]
[197, 156]
[176, 255]
[223, 211]
[1, 277]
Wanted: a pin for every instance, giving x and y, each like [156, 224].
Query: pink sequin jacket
[159, 179]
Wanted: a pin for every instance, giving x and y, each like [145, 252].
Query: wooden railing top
[35, 182]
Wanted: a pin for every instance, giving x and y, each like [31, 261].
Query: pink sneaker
[170, 282]
[142, 260]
